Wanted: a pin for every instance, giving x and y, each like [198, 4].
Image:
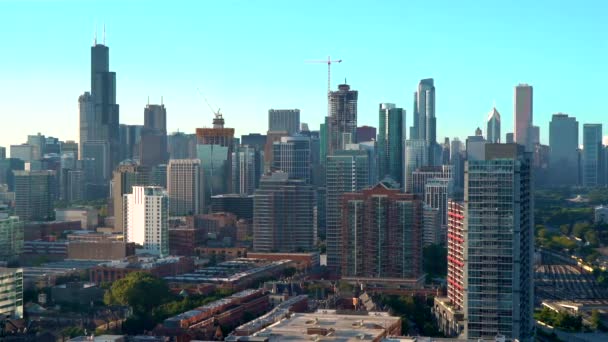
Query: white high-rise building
[146, 218]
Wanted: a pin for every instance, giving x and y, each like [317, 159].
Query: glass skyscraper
[592, 155]
[499, 244]
[391, 140]
[563, 141]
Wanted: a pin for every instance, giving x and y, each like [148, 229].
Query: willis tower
[99, 121]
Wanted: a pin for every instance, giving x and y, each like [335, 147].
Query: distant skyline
[247, 57]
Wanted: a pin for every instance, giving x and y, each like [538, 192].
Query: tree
[139, 290]
[595, 319]
[71, 332]
[591, 238]
[579, 229]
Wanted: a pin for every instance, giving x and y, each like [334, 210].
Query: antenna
[104, 33]
[95, 36]
[161, 100]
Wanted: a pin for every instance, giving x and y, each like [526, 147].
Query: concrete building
[436, 194]
[181, 145]
[381, 234]
[499, 244]
[284, 120]
[292, 155]
[366, 133]
[11, 292]
[432, 233]
[256, 140]
[346, 171]
[33, 195]
[342, 117]
[185, 187]
[158, 267]
[146, 219]
[564, 145]
[391, 141]
[11, 235]
[493, 132]
[593, 158]
[283, 212]
[239, 205]
[7, 166]
[422, 175]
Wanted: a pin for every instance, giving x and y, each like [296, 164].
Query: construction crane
[218, 120]
[328, 62]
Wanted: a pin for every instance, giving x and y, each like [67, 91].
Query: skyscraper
[342, 117]
[523, 115]
[592, 155]
[97, 176]
[214, 149]
[346, 171]
[185, 187]
[247, 168]
[99, 113]
[455, 244]
[293, 156]
[416, 156]
[563, 142]
[499, 244]
[2, 153]
[34, 195]
[425, 123]
[11, 236]
[39, 144]
[146, 220]
[493, 131]
[284, 120]
[181, 145]
[283, 215]
[381, 234]
[391, 140]
[153, 147]
[366, 133]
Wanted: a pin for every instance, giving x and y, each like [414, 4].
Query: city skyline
[271, 72]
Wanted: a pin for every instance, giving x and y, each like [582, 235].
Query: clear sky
[248, 56]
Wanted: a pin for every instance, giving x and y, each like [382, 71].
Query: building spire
[95, 36]
[104, 33]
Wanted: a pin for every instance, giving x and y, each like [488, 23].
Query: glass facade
[391, 138]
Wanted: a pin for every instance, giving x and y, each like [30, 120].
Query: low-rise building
[601, 214]
[302, 261]
[159, 267]
[77, 293]
[45, 230]
[330, 324]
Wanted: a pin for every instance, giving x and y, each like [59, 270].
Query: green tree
[565, 229]
[71, 332]
[139, 290]
[579, 229]
[591, 237]
[595, 319]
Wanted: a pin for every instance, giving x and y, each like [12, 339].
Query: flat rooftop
[340, 327]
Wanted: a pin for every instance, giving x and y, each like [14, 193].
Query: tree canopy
[139, 290]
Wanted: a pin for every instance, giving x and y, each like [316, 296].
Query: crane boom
[329, 61]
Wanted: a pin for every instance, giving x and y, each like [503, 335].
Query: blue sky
[249, 56]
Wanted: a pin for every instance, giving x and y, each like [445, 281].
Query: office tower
[158, 175]
[493, 131]
[424, 174]
[523, 115]
[25, 152]
[475, 147]
[445, 152]
[256, 140]
[563, 142]
[130, 139]
[499, 244]
[381, 234]
[478, 132]
[70, 146]
[283, 215]
[74, 186]
[342, 117]
[247, 168]
[52, 146]
[391, 138]
[181, 145]
[185, 187]
[284, 120]
[38, 142]
[153, 147]
[323, 140]
[346, 171]
[2, 153]
[534, 135]
[11, 296]
[146, 220]
[239, 205]
[7, 166]
[416, 156]
[124, 178]
[424, 126]
[436, 194]
[97, 174]
[372, 156]
[592, 155]
[33, 195]
[292, 155]
[455, 244]
[214, 149]
[367, 133]
[11, 236]
[271, 138]
[509, 138]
